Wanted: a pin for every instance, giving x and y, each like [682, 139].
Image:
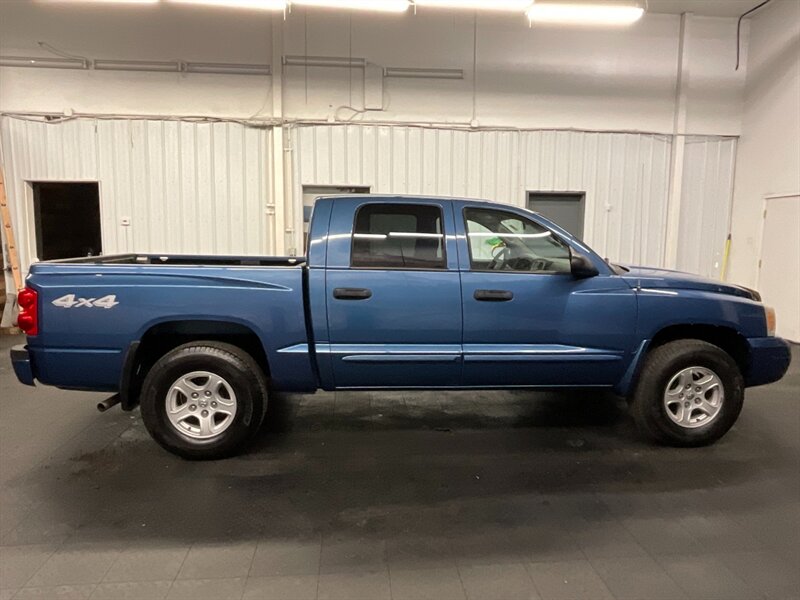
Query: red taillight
[28, 319]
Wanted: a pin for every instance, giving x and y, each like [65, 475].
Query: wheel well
[725, 338]
[161, 338]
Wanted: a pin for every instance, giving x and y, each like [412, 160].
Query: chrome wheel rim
[201, 405]
[694, 397]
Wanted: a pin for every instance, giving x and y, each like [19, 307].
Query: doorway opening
[67, 219]
[310, 194]
[566, 209]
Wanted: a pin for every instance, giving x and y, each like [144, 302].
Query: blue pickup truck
[395, 292]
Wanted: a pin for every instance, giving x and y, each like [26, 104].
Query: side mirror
[581, 266]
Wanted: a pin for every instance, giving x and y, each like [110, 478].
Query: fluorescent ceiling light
[373, 5]
[137, 65]
[257, 4]
[100, 1]
[324, 61]
[510, 5]
[584, 14]
[43, 63]
[228, 68]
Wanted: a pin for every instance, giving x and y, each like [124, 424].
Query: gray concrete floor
[400, 495]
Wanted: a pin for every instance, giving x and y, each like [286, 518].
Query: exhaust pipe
[108, 403]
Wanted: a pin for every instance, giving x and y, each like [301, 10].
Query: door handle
[352, 293]
[493, 295]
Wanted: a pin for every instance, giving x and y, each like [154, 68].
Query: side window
[398, 236]
[503, 241]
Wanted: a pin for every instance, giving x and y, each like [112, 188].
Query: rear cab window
[398, 236]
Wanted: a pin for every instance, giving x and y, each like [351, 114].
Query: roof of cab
[424, 199]
[414, 197]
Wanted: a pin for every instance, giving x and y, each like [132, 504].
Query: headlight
[769, 312]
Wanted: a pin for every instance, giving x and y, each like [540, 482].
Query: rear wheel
[204, 400]
[689, 393]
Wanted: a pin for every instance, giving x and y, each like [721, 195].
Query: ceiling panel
[710, 8]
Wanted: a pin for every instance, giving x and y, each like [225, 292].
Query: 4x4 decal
[70, 301]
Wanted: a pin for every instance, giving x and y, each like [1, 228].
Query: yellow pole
[725, 258]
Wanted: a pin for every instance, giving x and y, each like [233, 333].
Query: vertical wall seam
[148, 184]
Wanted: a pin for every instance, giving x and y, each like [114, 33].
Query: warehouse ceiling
[713, 8]
[709, 8]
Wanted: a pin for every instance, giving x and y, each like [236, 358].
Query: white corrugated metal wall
[191, 187]
[625, 177]
[626, 180]
[706, 204]
[187, 187]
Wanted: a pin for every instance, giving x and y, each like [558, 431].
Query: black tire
[661, 365]
[239, 370]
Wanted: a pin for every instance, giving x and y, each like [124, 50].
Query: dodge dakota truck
[395, 292]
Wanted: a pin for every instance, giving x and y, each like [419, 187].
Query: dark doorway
[566, 209]
[67, 220]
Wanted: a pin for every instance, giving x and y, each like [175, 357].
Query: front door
[527, 320]
[393, 295]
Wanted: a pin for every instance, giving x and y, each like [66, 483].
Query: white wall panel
[38, 152]
[706, 204]
[769, 150]
[625, 176]
[592, 78]
[186, 187]
[204, 187]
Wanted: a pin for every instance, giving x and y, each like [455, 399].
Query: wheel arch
[726, 338]
[164, 336]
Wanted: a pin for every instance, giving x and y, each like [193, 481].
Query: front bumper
[21, 361]
[770, 358]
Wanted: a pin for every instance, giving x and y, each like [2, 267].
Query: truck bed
[92, 308]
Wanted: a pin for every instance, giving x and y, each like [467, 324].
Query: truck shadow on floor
[378, 411]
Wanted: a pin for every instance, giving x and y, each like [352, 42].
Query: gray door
[565, 209]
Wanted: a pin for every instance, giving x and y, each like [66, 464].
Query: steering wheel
[535, 264]
[529, 263]
[500, 259]
[504, 261]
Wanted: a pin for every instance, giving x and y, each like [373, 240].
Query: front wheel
[204, 400]
[689, 393]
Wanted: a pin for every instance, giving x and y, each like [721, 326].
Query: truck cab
[470, 294]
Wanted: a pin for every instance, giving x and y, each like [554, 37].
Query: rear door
[393, 294]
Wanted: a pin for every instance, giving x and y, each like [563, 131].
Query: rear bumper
[769, 360]
[21, 361]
